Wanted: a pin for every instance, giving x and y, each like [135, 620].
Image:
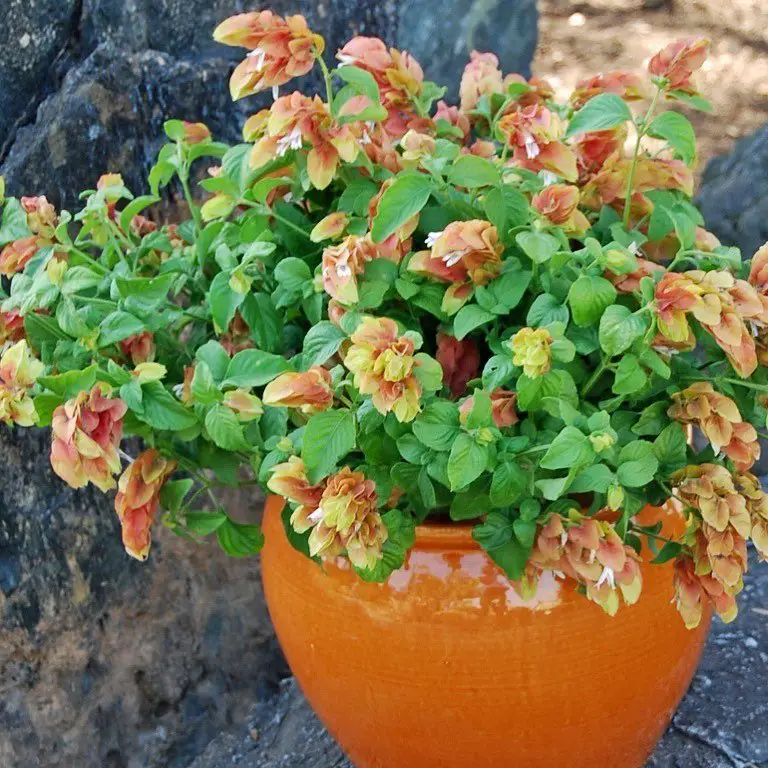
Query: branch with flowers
[390, 309]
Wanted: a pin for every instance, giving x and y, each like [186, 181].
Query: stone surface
[35, 36]
[721, 723]
[734, 194]
[126, 66]
[106, 662]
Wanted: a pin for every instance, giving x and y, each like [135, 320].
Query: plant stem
[328, 85]
[94, 300]
[193, 209]
[748, 384]
[641, 131]
[270, 212]
[535, 449]
[89, 260]
[595, 376]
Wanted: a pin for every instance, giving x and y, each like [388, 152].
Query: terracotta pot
[445, 666]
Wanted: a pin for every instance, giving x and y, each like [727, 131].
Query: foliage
[388, 311]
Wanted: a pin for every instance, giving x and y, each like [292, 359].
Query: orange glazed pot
[445, 666]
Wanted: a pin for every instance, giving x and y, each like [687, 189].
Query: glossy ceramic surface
[445, 666]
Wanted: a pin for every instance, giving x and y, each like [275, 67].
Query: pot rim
[445, 536]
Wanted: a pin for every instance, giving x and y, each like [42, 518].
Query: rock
[149, 60]
[721, 722]
[106, 662]
[34, 36]
[733, 197]
[110, 110]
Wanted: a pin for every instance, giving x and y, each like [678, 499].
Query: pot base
[446, 666]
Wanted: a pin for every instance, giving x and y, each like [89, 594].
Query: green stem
[328, 85]
[193, 209]
[747, 384]
[535, 449]
[93, 300]
[595, 376]
[641, 131]
[86, 258]
[270, 212]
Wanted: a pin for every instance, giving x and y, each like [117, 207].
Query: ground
[582, 37]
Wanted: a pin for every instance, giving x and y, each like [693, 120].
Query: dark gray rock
[108, 116]
[442, 36]
[734, 194]
[106, 662]
[721, 723]
[34, 36]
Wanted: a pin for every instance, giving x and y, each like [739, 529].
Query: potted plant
[465, 347]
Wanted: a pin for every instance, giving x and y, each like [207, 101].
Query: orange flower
[383, 365]
[139, 348]
[243, 404]
[329, 227]
[460, 361]
[503, 410]
[532, 351]
[463, 251]
[481, 77]
[719, 419]
[558, 203]
[535, 134]
[194, 133]
[757, 505]
[592, 149]
[280, 49]
[628, 85]
[678, 61]
[19, 372]
[11, 326]
[416, 146]
[137, 500]
[400, 241]
[630, 282]
[399, 76]
[343, 264]
[758, 279]
[455, 117]
[296, 120]
[16, 255]
[346, 518]
[41, 216]
[309, 391]
[289, 480]
[591, 552]
[238, 336]
[86, 435]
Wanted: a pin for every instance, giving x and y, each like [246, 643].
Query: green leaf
[437, 426]
[328, 437]
[589, 296]
[78, 279]
[669, 551]
[161, 410]
[292, 273]
[506, 207]
[45, 405]
[607, 110]
[678, 131]
[401, 535]
[355, 198]
[321, 343]
[145, 293]
[619, 328]
[471, 171]
[118, 326]
[538, 246]
[531, 393]
[466, 462]
[468, 505]
[133, 208]
[239, 540]
[223, 301]
[545, 310]
[405, 198]
[470, 317]
[571, 448]
[215, 357]
[508, 484]
[480, 414]
[412, 450]
[204, 388]
[70, 384]
[637, 464]
[13, 225]
[202, 523]
[428, 372]
[630, 376]
[671, 447]
[362, 81]
[172, 494]
[264, 321]
[598, 478]
[225, 430]
[254, 368]
[497, 537]
[553, 488]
